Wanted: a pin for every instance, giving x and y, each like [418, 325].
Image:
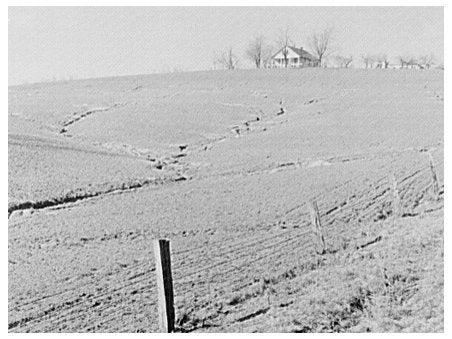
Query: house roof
[299, 51]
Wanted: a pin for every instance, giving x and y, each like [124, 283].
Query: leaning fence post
[434, 178]
[317, 227]
[395, 197]
[164, 285]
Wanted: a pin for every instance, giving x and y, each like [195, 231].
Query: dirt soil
[224, 164]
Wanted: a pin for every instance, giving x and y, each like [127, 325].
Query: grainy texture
[100, 168]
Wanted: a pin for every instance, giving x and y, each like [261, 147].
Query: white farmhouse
[290, 56]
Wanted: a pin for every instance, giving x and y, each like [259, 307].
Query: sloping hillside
[224, 164]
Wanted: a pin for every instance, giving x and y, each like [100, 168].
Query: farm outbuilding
[293, 57]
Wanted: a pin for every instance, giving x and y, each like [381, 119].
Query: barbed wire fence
[211, 278]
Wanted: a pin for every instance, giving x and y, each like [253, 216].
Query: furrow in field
[83, 195]
[368, 201]
[79, 116]
[244, 247]
[371, 209]
[59, 311]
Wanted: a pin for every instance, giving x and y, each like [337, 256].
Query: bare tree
[256, 50]
[283, 42]
[348, 61]
[385, 61]
[412, 62]
[382, 61]
[227, 59]
[426, 61]
[320, 43]
[267, 54]
[403, 60]
[343, 61]
[368, 60]
[407, 61]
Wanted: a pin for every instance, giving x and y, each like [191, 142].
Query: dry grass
[243, 259]
[393, 285]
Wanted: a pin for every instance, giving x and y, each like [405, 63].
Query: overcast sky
[83, 42]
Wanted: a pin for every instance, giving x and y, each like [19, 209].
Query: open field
[223, 164]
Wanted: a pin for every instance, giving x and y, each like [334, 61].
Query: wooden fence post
[434, 178]
[164, 285]
[395, 198]
[317, 227]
